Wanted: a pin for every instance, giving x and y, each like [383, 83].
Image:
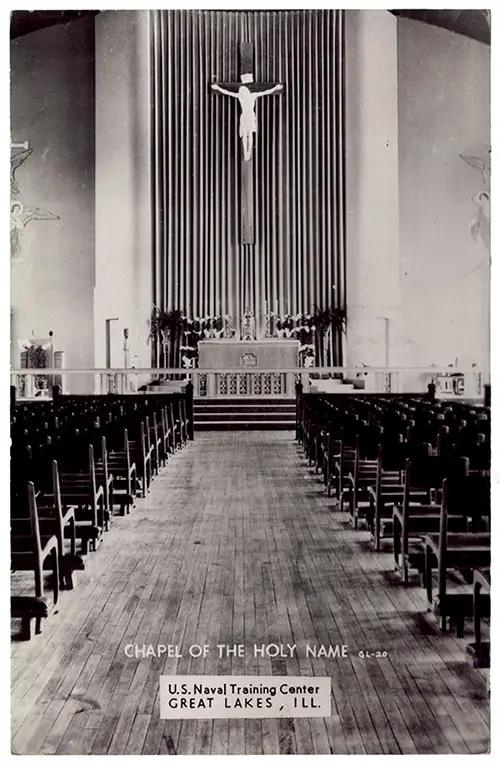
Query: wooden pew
[184, 421]
[389, 487]
[467, 510]
[124, 472]
[32, 553]
[352, 428]
[53, 519]
[105, 480]
[80, 491]
[140, 454]
[155, 443]
[463, 551]
[455, 552]
[27, 609]
[333, 448]
[174, 428]
[68, 425]
[363, 475]
[480, 650]
[164, 436]
[419, 513]
[69, 562]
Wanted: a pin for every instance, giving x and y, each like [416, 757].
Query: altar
[259, 367]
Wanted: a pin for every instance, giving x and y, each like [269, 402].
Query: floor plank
[238, 543]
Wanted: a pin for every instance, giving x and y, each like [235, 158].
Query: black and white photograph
[250, 393]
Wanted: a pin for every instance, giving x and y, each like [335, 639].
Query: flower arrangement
[210, 326]
[175, 336]
[307, 355]
[285, 326]
[36, 357]
[189, 356]
[319, 329]
[289, 325]
[36, 354]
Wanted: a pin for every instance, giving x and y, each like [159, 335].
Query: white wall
[416, 97]
[444, 93]
[52, 107]
[123, 216]
[80, 96]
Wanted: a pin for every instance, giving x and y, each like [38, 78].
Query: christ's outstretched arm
[224, 92]
[269, 92]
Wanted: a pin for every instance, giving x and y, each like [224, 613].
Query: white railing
[451, 383]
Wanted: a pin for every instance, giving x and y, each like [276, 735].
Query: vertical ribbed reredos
[297, 261]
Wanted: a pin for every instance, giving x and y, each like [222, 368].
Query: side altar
[246, 367]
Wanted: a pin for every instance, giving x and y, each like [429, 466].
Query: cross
[246, 92]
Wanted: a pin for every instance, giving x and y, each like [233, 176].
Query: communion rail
[450, 382]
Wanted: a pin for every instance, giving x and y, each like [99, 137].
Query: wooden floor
[237, 543]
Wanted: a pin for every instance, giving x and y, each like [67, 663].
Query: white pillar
[373, 293]
[123, 184]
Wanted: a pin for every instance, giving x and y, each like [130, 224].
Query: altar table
[257, 361]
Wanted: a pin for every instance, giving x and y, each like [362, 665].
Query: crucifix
[246, 92]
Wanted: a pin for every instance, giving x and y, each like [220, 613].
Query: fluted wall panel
[297, 261]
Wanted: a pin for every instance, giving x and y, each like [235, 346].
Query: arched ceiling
[24, 22]
[472, 23]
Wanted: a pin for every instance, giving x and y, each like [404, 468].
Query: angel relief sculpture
[21, 215]
[481, 224]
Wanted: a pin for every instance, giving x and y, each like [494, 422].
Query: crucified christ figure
[248, 119]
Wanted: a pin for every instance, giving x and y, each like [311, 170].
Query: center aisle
[237, 543]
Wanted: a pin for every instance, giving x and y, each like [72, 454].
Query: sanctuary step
[251, 413]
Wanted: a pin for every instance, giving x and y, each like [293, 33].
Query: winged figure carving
[21, 215]
[15, 162]
[481, 224]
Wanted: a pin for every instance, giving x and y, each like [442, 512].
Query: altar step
[238, 413]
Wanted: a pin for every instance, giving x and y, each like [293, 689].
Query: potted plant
[166, 329]
[333, 320]
[36, 356]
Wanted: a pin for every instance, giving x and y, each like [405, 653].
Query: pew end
[69, 564]
[479, 655]
[457, 607]
[29, 609]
